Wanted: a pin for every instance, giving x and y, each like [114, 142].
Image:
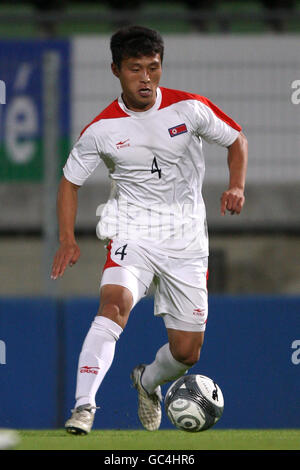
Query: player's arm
[82, 161]
[233, 199]
[68, 251]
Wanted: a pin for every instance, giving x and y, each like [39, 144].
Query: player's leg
[185, 346]
[97, 354]
[116, 302]
[172, 361]
[182, 293]
[98, 349]
[174, 358]
[120, 291]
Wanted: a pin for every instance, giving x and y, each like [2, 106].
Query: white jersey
[156, 165]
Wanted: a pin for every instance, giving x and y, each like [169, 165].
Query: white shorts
[180, 283]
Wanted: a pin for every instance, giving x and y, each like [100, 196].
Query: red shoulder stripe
[170, 97]
[112, 111]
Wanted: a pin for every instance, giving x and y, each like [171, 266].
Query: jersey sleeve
[213, 125]
[83, 159]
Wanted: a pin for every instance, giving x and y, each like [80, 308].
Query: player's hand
[67, 255]
[232, 200]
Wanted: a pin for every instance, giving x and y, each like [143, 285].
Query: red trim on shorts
[207, 276]
[109, 262]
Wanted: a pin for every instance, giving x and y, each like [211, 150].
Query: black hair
[135, 41]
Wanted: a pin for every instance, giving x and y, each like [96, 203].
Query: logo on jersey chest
[177, 130]
[123, 143]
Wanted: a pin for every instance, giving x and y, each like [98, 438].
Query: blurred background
[55, 78]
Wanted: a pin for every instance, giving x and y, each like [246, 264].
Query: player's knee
[186, 355]
[109, 309]
[115, 312]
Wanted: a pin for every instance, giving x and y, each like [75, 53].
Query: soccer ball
[194, 403]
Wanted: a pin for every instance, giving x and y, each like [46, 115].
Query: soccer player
[150, 139]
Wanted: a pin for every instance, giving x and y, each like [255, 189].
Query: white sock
[95, 359]
[164, 369]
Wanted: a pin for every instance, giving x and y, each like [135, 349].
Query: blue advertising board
[251, 349]
[28, 377]
[22, 114]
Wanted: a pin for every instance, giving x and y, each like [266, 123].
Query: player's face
[139, 78]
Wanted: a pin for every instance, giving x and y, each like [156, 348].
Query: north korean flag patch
[177, 130]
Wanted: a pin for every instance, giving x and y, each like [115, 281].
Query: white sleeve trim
[83, 159]
[234, 136]
[72, 178]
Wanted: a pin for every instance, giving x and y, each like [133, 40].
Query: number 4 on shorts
[122, 252]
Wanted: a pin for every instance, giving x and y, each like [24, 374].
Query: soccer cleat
[81, 421]
[149, 409]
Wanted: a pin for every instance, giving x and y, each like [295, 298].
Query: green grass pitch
[270, 439]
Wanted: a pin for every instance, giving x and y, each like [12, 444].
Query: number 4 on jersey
[122, 252]
[155, 168]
